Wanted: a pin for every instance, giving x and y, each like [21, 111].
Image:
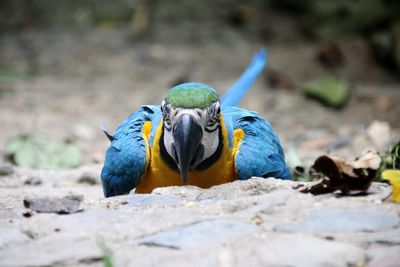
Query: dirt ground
[66, 83]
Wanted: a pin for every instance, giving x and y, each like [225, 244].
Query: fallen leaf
[65, 205]
[329, 90]
[37, 151]
[10, 75]
[393, 176]
[350, 177]
[107, 254]
[29, 234]
[280, 80]
[330, 55]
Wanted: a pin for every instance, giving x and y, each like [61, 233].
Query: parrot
[193, 138]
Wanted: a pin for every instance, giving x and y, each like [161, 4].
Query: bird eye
[166, 110]
[213, 116]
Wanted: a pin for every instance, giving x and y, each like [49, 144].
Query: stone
[379, 133]
[6, 169]
[296, 250]
[383, 256]
[185, 192]
[52, 252]
[344, 220]
[252, 187]
[32, 180]
[11, 236]
[65, 205]
[83, 131]
[90, 178]
[145, 201]
[198, 233]
[234, 224]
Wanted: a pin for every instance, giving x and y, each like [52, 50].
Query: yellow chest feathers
[159, 174]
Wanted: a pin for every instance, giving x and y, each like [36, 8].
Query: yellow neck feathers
[159, 174]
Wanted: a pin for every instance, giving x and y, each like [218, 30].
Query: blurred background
[331, 83]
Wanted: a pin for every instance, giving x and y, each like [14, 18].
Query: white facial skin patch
[208, 119]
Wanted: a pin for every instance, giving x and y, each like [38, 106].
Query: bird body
[160, 174]
[193, 139]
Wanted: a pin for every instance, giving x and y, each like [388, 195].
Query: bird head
[191, 125]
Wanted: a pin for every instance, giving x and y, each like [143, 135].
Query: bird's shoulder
[132, 127]
[260, 152]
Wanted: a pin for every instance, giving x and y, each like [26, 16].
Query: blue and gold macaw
[193, 138]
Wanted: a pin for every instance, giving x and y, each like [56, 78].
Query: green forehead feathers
[191, 95]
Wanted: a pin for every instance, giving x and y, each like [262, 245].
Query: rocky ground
[65, 83]
[259, 222]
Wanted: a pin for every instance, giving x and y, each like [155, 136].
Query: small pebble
[32, 180]
[64, 205]
[6, 169]
[89, 178]
[257, 219]
[329, 237]
[97, 157]
[379, 133]
[83, 132]
[27, 214]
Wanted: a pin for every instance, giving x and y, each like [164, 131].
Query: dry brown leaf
[347, 176]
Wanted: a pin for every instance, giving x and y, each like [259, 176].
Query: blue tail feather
[237, 91]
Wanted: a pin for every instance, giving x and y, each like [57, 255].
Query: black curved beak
[187, 134]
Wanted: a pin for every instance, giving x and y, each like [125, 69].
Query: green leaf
[9, 75]
[39, 152]
[29, 234]
[329, 90]
[107, 254]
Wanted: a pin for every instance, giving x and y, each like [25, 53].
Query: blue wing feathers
[237, 91]
[260, 153]
[126, 157]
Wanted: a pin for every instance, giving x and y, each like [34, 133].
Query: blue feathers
[126, 157]
[237, 91]
[260, 153]
[108, 135]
